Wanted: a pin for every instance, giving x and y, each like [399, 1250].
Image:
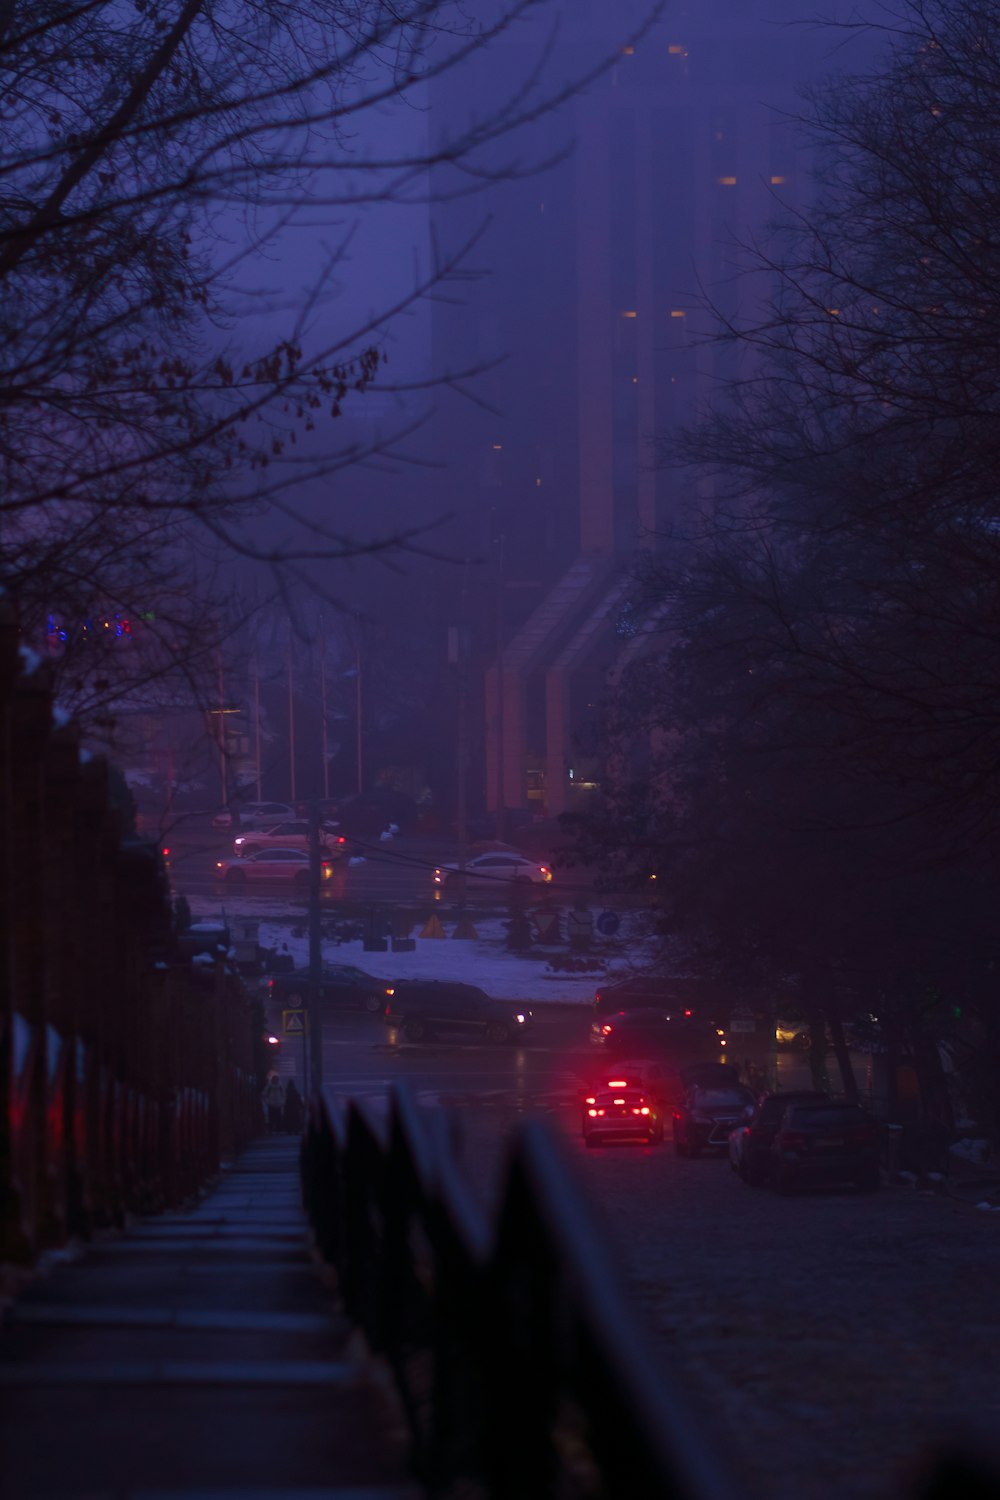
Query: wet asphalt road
[826, 1339]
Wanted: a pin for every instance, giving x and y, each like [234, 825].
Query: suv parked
[421, 1009]
[750, 1144]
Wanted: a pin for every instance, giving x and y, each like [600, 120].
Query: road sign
[608, 923]
[296, 1002]
[293, 1022]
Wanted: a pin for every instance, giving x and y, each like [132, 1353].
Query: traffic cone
[432, 928]
[465, 928]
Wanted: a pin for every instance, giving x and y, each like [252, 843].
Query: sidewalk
[197, 1357]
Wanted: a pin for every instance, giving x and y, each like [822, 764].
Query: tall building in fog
[594, 276]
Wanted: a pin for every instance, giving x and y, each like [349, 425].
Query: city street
[396, 873]
[827, 1336]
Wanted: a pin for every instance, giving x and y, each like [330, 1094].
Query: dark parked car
[750, 1144]
[421, 1009]
[822, 1143]
[342, 984]
[705, 1116]
[645, 1033]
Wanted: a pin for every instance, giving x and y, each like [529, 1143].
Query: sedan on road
[342, 985]
[494, 869]
[294, 833]
[750, 1144]
[271, 867]
[253, 815]
[706, 1115]
[423, 1009]
[823, 1143]
[653, 1033]
[621, 1110]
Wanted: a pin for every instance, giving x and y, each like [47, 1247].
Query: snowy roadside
[483, 961]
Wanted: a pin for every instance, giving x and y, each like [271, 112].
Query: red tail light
[341, 839]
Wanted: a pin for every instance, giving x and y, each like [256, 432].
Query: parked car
[341, 984]
[425, 1008]
[293, 833]
[252, 815]
[271, 866]
[822, 1143]
[641, 1033]
[621, 1109]
[497, 868]
[750, 1144]
[705, 1116]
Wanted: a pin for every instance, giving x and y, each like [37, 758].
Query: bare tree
[140, 427]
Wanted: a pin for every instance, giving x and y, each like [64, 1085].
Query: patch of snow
[971, 1150]
[60, 716]
[159, 964]
[30, 659]
[85, 757]
[203, 958]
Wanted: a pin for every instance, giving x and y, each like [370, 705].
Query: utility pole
[359, 703]
[222, 737]
[256, 724]
[324, 733]
[501, 820]
[462, 769]
[291, 718]
[314, 1029]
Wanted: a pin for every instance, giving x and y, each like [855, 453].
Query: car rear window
[818, 1117]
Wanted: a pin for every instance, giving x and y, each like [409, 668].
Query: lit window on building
[677, 49]
[630, 313]
[497, 447]
[726, 181]
[628, 52]
[777, 180]
[678, 312]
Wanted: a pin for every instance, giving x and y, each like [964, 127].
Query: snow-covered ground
[483, 960]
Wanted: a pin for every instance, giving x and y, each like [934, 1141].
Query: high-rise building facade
[596, 278]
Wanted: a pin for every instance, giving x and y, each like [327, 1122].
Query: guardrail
[124, 1076]
[518, 1362]
[517, 1359]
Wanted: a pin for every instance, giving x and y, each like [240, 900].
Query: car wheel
[870, 1181]
[497, 1031]
[414, 1031]
[784, 1183]
[591, 1141]
[654, 1138]
[680, 1149]
[694, 1150]
[803, 1041]
[372, 1004]
[236, 877]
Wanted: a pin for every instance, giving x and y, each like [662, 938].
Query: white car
[293, 834]
[491, 869]
[273, 867]
[253, 815]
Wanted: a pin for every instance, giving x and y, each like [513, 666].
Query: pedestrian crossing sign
[293, 1022]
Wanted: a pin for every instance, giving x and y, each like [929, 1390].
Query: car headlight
[519, 1018]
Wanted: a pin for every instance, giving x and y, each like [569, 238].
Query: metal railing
[517, 1359]
[518, 1362]
[125, 1077]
